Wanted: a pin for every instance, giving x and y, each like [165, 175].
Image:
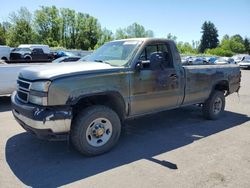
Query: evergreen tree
[209, 37]
[247, 45]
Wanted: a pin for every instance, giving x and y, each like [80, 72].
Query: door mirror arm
[138, 66]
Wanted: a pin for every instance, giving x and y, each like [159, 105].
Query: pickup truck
[29, 54]
[87, 102]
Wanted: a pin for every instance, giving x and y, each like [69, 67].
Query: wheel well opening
[113, 101]
[222, 86]
[4, 58]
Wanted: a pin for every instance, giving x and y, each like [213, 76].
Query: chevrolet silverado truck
[87, 102]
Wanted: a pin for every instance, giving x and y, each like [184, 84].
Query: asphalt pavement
[176, 148]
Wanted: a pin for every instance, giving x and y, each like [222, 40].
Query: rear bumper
[51, 123]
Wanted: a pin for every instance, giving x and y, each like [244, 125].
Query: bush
[219, 52]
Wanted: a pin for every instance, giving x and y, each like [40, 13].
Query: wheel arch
[111, 99]
[27, 56]
[4, 58]
[222, 85]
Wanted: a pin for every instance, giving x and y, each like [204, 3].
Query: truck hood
[54, 71]
[20, 52]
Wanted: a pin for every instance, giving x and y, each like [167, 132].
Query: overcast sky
[182, 18]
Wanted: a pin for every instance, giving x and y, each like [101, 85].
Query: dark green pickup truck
[88, 101]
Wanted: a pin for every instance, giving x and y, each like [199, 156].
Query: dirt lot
[176, 148]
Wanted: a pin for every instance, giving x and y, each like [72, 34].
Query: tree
[88, 31]
[247, 45]
[171, 37]
[121, 34]
[209, 37]
[225, 37]
[68, 28]
[48, 22]
[238, 38]
[106, 36]
[186, 48]
[20, 31]
[2, 35]
[235, 44]
[134, 30]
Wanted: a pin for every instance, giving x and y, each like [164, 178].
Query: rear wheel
[95, 130]
[214, 105]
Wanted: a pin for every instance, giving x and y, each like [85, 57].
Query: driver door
[154, 89]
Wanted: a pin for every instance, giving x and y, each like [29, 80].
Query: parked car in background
[61, 53]
[185, 59]
[9, 74]
[211, 60]
[70, 53]
[239, 57]
[30, 52]
[66, 59]
[245, 63]
[225, 60]
[4, 53]
[199, 61]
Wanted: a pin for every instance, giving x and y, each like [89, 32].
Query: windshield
[58, 60]
[117, 53]
[21, 50]
[247, 58]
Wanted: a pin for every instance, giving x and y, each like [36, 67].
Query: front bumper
[51, 123]
[244, 65]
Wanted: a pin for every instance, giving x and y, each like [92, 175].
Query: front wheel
[95, 130]
[214, 105]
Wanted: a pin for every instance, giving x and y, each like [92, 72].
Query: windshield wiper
[101, 61]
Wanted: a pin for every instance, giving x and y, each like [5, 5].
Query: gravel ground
[176, 148]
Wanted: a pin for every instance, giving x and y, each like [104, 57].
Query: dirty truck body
[88, 101]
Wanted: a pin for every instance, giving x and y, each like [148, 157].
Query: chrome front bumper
[49, 121]
[56, 126]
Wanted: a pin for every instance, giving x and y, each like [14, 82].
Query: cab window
[160, 48]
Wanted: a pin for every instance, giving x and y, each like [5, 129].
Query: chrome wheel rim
[217, 105]
[99, 132]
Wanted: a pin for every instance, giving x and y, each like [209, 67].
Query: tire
[214, 105]
[27, 58]
[95, 130]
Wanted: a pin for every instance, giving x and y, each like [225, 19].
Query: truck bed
[199, 80]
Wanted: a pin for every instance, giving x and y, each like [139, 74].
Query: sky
[182, 18]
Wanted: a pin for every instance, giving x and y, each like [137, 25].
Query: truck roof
[45, 48]
[144, 39]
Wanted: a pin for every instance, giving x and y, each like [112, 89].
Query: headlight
[40, 86]
[38, 92]
[38, 100]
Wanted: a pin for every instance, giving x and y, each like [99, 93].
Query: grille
[23, 88]
[14, 56]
